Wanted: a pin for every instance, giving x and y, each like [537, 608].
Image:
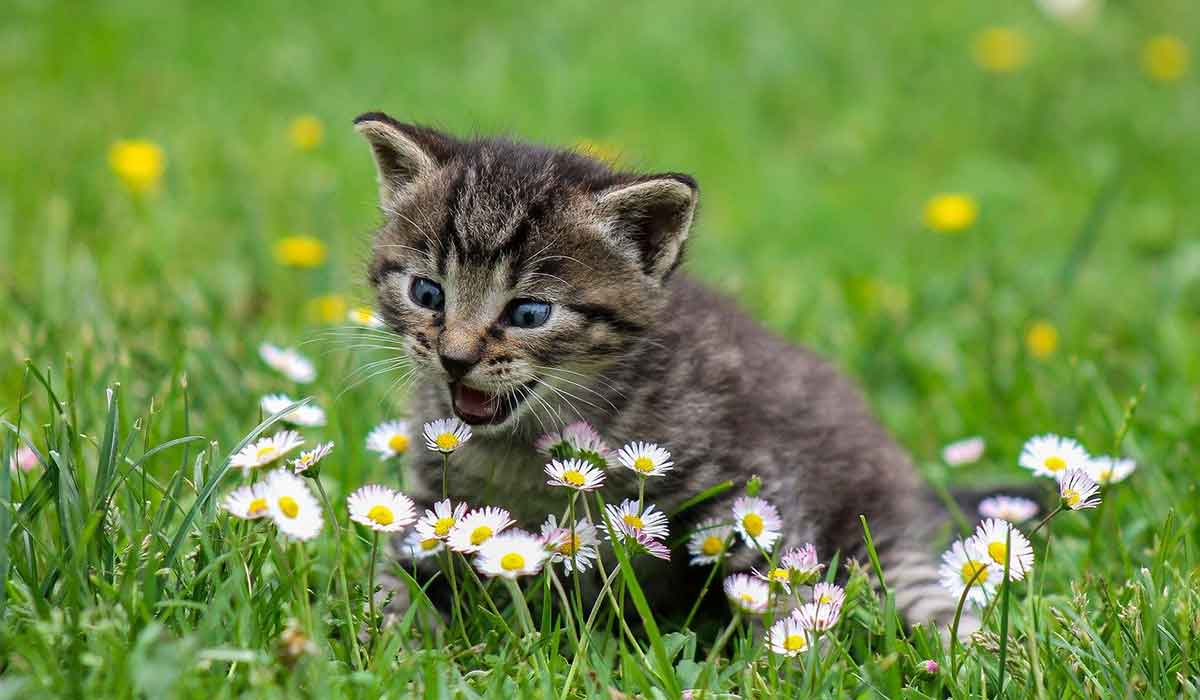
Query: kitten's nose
[459, 350]
[457, 366]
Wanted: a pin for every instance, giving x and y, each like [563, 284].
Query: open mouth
[477, 407]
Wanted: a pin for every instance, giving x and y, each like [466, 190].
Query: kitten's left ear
[655, 213]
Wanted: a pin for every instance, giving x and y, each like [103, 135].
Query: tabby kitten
[534, 287]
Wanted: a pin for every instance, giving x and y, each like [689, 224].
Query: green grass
[817, 134]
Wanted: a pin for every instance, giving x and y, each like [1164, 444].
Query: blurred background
[986, 211]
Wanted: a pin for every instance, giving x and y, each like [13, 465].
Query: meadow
[985, 212]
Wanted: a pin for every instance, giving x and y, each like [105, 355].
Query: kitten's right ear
[403, 152]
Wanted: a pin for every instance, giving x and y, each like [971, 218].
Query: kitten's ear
[655, 212]
[403, 152]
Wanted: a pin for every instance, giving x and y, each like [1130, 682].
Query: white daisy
[643, 543]
[828, 594]
[747, 593]
[364, 316]
[816, 616]
[990, 537]
[247, 502]
[306, 463]
[1109, 470]
[802, 561]
[288, 362]
[562, 547]
[308, 415]
[477, 527]
[579, 440]
[1078, 491]
[574, 474]
[511, 554]
[1011, 508]
[707, 545]
[788, 637]
[266, 450]
[779, 575]
[446, 435]
[963, 452]
[389, 439]
[966, 561]
[439, 521]
[645, 459]
[292, 506]
[757, 521]
[415, 546]
[626, 521]
[380, 508]
[1051, 455]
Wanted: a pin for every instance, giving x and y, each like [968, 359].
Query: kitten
[534, 287]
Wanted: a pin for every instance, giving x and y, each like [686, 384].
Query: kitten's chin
[476, 407]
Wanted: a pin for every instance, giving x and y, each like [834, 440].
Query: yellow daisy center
[573, 477]
[1055, 463]
[780, 575]
[570, 546]
[634, 522]
[264, 452]
[256, 506]
[480, 535]
[753, 524]
[442, 527]
[972, 568]
[997, 551]
[429, 543]
[712, 546]
[512, 561]
[795, 642]
[1104, 475]
[446, 441]
[747, 598]
[289, 506]
[824, 600]
[381, 514]
[643, 464]
[398, 443]
[1071, 496]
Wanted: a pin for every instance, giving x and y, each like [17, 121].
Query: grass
[817, 134]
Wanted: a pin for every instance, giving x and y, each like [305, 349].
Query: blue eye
[526, 313]
[427, 293]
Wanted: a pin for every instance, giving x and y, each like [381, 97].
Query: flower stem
[1047, 519]
[702, 681]
[962, 600]
[341, 572]
[712, 573]
[455, 609]
[445, 476]
[371, 586]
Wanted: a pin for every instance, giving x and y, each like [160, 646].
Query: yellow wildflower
[306, 132]
[1041, 339]
[1165, 58]
[329, 308]
[138, 163]
[299, 251]
[951, 212]
[1000, 49]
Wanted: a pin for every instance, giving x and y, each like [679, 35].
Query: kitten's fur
[639, 350]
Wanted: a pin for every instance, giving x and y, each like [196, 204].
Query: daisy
[966, 561]
[1078, 491]
[266, 450]
[248, 502]
[1051, 455]
[25, 459]
[288, 362]
[478, 527]
[511, 554]
[308, 415]
[963, 452]
[1010, 508]
[778, 575]
[364, 316]
[788, 637]
[827, 594]
[990, 536]
[747, 593]
[438, 522]
[574, 474]
[802, 561]
[446, 435]
[643, 543]
[417, 547]
[579, 551]
[305, 464]
[626, 521]
[381, 508]
[707, 543]
[1109, 470]
[816, 616]
[645, 459]
[292, 506]
[389, 439]
[757, 521]
[579, 440]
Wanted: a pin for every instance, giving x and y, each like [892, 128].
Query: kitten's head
[516, 273]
